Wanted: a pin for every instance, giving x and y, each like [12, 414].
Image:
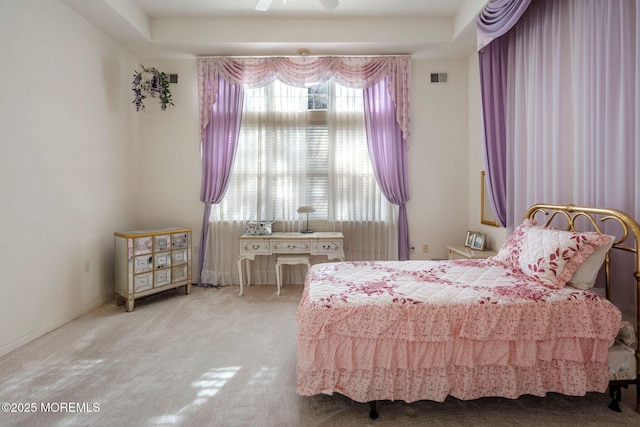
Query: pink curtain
[353, 72]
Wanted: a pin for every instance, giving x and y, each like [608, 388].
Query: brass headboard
[596, 218]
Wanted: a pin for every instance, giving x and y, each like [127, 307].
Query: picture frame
[471, 237]
[478, 242]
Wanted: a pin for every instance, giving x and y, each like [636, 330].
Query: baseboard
[15, 345]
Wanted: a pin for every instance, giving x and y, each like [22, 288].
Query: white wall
[68, 158]
[170, 151]
[438, 158]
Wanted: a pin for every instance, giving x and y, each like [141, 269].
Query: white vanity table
[318, 243]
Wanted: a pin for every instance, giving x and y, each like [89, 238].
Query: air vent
[173, 78]
[438, 77]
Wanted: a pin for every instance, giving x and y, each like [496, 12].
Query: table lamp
[306, 210]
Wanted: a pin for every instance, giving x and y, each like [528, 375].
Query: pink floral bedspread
[416, 330]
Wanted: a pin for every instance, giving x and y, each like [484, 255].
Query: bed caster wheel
[615, 393]
[373, 412]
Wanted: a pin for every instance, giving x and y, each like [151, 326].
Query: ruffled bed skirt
[367, 370]
[569, 378]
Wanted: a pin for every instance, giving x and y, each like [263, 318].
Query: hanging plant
[153, 83]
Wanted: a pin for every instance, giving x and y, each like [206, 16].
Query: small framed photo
[478, 242]
[471, 237]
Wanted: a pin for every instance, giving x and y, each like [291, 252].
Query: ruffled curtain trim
[497, 18]
[353, 72]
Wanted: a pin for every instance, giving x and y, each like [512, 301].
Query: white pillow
[586, 273]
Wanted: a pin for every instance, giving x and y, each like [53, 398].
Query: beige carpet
[213, 358]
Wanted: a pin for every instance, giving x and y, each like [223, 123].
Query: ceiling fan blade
[263, 5]
[329, 4]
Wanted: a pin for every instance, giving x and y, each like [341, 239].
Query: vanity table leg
[240, 273]
[248, 267]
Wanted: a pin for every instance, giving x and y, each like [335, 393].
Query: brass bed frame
[595, 218]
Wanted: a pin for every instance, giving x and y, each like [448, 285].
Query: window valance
[497, 18]
[353, 72]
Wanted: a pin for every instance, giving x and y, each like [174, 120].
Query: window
[318, 96]
[302, 146]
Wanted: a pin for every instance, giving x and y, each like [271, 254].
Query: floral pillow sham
[547, 255]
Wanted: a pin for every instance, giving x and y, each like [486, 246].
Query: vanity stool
[290, 260]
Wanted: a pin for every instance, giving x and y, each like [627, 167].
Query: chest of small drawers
[151, 261]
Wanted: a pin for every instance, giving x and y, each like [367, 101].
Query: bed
[526, 321]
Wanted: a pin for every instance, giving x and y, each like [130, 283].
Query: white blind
[289, 156]
[317, 162]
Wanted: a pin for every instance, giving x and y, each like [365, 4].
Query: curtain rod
[300, 56]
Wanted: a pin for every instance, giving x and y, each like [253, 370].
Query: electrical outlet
[87, 266]
[425, 248]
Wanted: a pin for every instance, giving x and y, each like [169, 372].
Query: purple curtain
[218, 153]
[495, 20]
[388, 153]
[493, 76]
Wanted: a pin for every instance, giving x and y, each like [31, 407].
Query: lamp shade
[306, 209]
